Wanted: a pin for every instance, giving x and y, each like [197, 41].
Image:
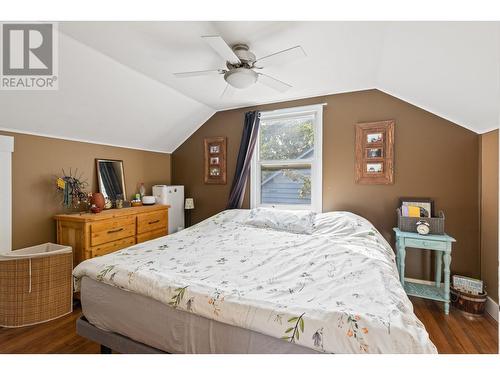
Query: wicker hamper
[470, 304]
[35, 285]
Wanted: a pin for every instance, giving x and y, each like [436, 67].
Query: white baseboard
[492, 308]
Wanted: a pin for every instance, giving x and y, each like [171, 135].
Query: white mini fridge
[173, 195]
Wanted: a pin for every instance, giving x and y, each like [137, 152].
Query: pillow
[294, 221]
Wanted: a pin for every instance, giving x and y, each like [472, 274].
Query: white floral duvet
[335, 290]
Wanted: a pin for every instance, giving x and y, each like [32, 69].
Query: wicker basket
[470, 304]
[409, 224]
[35, 285]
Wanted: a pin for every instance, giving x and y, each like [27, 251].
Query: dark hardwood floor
[454, 333]
[457, 333]
[57, 336]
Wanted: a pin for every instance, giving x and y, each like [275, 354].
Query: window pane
[282, 139]
[285, 185]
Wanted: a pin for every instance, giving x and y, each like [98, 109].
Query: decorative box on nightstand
[441, 245]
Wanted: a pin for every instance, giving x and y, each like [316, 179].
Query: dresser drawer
[111, 230]
[151, 235]
[425, 244]
[151, 221]
[110, 247]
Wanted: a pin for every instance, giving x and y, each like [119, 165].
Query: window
[286, 164]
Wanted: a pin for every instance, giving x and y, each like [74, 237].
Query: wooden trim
[386, 161]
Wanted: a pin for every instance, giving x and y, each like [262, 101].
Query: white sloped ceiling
[117, 86]
[102, 101]
[452, 69]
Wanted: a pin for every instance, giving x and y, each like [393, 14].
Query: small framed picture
[214, 171]
[373, 153]
[374, 137]
[215, 166]
[374, 167]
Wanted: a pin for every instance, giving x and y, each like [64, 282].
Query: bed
[250, 281]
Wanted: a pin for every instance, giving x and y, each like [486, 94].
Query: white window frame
[6, 150]
[315, 162]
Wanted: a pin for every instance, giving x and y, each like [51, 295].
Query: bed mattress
[174, 331]
[335, 289]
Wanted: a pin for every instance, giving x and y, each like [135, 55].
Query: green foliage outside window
[287, 140]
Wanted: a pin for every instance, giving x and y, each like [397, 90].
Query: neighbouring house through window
[286, 165]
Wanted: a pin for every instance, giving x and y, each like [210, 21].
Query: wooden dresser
[91, 235]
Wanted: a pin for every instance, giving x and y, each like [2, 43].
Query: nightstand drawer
[425, 244]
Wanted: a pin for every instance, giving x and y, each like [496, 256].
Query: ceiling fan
[241, 65]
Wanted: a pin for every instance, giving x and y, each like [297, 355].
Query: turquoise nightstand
[441, 245]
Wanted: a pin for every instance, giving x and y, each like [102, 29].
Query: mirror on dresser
[111, 178]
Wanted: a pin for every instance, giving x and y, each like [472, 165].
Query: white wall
[6, 149]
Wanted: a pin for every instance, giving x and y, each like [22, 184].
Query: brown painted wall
[433, 158]
[489, 212]
[35, 162]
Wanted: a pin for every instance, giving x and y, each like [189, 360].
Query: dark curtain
[247, 146]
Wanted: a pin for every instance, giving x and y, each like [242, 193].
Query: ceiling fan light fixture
[241, 78]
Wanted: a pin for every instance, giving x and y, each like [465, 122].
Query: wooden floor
[57, 336]
[454, 333]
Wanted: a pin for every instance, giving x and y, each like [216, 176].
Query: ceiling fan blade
[228, 92]
[282, 57]
[221, 47]
[274, 83]
[199, 73]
